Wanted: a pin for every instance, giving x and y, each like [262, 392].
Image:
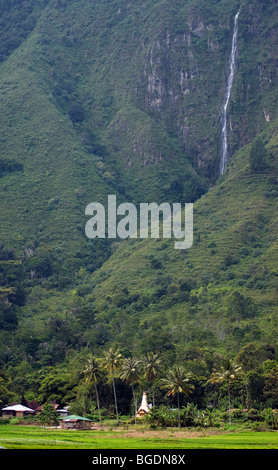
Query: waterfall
[224, 121]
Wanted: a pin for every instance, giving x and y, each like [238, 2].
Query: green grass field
[30, 437]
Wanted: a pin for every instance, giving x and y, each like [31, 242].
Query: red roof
[34, 405]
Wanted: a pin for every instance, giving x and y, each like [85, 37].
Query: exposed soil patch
[162, 434]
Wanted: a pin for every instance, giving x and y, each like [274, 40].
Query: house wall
[8, 414]
[11, 413]
[75, 425]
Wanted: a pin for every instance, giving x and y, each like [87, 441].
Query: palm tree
[92, 374]
[130, 373]
[151, 366]
[177, 381]
[111, 362]
[228, 371]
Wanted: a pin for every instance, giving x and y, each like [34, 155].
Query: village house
[18, 411]
[75, 422]
[29, 408]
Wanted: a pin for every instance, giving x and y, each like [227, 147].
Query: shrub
[53, 202]
[238, 414]
[230, 260]
[14, 421]
[258, 156]
[156, 263]
[77, 112]
[187, 285]
[270, 417]
[4, 421]
[254, 415]
[8, 166]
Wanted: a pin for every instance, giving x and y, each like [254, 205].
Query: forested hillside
[122, 97]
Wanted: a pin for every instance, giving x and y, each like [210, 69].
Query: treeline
[112, 385]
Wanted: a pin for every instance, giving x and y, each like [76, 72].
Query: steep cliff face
[254, 99]
[169, 61]
[184, 82]
[186, 72]
[133, 93]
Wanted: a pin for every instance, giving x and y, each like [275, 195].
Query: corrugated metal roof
[17, 408]
[75, 418]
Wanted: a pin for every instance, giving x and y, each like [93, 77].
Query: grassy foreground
[31, 437]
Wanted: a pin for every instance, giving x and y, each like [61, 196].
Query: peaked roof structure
[144, 407]
[75, 418]
[17, 408]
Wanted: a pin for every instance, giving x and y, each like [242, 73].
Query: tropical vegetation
[107, 97]
[206, 391]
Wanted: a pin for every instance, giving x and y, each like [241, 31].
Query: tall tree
[48, 415]
[151, 366]
[111, 362]
[131, 374]
[92, 373]
[177, 381]
[228, 371]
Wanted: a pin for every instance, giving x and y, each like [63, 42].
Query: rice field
[34, 437]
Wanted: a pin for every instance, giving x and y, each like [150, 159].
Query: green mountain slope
[138, 89]
[222, 292]
[113, 97]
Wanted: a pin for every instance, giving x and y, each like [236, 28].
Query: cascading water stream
[224, 133]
